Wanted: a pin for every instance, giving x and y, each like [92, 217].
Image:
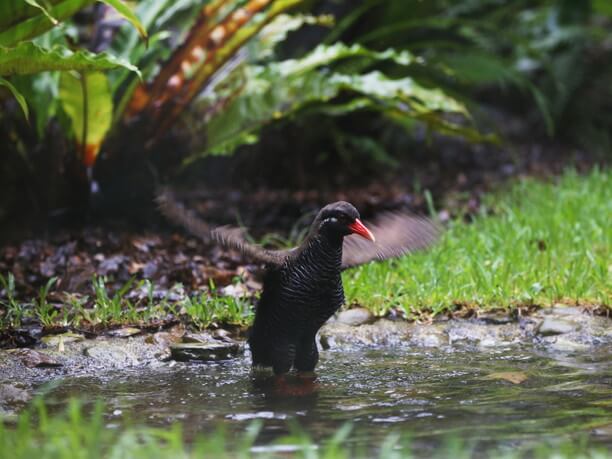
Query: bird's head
[341, 219]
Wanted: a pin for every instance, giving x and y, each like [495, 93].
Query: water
[432, 394]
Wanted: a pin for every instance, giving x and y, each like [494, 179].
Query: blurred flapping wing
[226, 236]
[396, 234]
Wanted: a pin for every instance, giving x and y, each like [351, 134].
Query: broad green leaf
[276, 31]
[87, 100]
[265, 101]
[125, 11]
[282, 89]
[20, 99]
[28, 58]
[14, 11]
[32, 22]
[326, 55]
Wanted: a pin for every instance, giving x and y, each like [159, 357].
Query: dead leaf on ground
[515, 377]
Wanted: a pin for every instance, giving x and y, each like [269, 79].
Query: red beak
[359, 228]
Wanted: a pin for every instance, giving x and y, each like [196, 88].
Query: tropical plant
[554, 52]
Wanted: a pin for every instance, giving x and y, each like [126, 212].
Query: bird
[302, 286]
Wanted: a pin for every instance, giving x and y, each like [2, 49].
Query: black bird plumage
[302, 286]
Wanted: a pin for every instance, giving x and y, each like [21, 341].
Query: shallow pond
[432, 394]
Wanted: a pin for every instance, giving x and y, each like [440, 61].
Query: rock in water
[554, 326]
[206, 352]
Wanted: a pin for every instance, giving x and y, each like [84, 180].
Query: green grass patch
[106, 309]
[77, 434]
[536, 243]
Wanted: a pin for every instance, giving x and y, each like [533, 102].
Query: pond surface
[432, 394]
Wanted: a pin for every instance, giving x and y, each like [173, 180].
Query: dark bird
[302, 286]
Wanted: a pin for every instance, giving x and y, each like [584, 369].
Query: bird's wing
[226, 236]
[396, 234]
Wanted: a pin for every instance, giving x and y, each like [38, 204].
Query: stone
[206, 352]
[383, 332]
[124, 332]
[163, 338]
[198, 338]
[554, 326]
[110, 355]
[355, 316]
[63, 338]
[35, 359]
[431, 335]
[564, 343]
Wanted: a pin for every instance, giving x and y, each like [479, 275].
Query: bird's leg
[307, 355]
[283, 355]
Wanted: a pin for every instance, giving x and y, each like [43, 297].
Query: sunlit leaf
[25, 23]
[87, 100]
[35, 4]
[28, 58]
[125, 11]
[20, 99]
[277, 30]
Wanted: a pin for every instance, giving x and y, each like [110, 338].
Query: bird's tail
[176, 213]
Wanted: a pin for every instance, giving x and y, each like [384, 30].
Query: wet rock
[111, 355]
[557, 326]
[383, 332]
[495, 318]
[475, 332]
[208, 352]
[166, 338]
[432, 335]
[355, 316]
[124, 332]
[64, 338]
[163, 339]
[198, 338]
[223, 335]
[35, 359]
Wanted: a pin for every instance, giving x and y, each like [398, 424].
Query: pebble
[36, 359]
[555, 326]
[355, 316]
[111, 355]
[124, 332]
[63, 338]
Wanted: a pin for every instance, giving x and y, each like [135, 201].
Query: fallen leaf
[515, 377]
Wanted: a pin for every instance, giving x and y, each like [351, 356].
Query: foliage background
[104, 101]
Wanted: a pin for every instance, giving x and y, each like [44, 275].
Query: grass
[545, 243]
[104, 309]
[75, 434]
[533, 244]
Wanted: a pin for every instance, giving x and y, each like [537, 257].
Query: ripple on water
[427, 393]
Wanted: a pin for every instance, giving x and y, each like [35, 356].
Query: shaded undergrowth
[533, 244]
